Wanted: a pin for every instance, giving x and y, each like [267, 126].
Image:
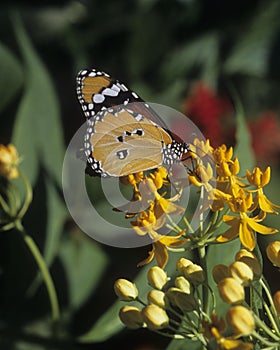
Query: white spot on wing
[98, 98]
[134, 94]
[110, 92]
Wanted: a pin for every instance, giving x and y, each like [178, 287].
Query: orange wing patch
[93, 85]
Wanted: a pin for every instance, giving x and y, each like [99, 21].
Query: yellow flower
[233, 344]
[9, 161]
[222, 154]
[228, 168]
[241, 203]
[160, 177]
[260, 179]
[201, 176]
[244, 227]
[200, 149]
[214, 327]
[159, 250]
[148, 223]
[226, 343]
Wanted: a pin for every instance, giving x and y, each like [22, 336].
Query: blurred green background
[161, 49]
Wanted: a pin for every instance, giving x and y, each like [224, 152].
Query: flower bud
[176, 297]
[169, 297]
[181, 264]
[276, 301]
[194, 273]
[251, 260]
[131, 316]
[241, 320]
[231, 291]
[9, 161]
[155, 317]
[157, 277]
[156, 297]
[125, 290]
[273, 253]
[241, 272]
[220, 272]
[184, 301]
[182, 283]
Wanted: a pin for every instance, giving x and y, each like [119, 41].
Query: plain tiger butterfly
[124, 135]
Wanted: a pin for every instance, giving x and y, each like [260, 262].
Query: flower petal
[148, 259]
[161, 254]
[247, 236]
[261, 228]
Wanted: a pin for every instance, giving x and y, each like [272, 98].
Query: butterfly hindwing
[125, 142]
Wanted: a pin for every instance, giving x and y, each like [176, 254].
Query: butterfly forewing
[123, 140]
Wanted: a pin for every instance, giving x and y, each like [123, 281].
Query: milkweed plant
[185, 306]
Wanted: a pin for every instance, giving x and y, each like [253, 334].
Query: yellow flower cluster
[243, 196]
[151, 192]
[238, 201]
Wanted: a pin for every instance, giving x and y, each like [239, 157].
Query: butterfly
[124, 134]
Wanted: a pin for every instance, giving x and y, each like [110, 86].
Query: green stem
[261, 324]
[202, 259]
[28, 196]
[44, 270]
[271, 312]
[264, 341]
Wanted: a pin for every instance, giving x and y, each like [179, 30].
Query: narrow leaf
[38, 131]
[11, 76]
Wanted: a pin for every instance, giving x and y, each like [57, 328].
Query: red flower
[209, 112]
[265, 131]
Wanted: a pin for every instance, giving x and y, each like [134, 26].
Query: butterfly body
[123, 134]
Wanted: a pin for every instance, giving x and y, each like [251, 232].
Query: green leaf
[251, 52]
[37, 132]
[11, 76]
[202, 52]
[105, 327]
[55, 221]
[243, 148]
[84, 263]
